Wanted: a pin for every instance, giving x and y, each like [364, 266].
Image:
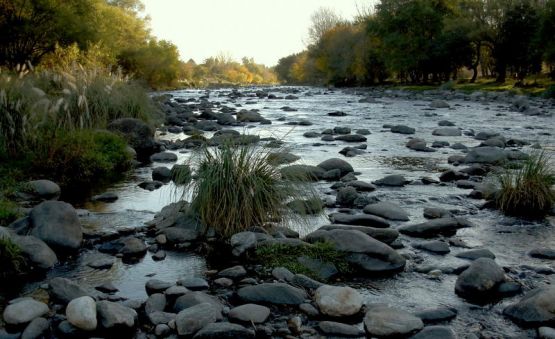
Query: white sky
[263, 29]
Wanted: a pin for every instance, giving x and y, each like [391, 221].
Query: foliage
[11, 260]
[235, 187]
[527, 191]
[8, 212]
[282, 255]
[549, 92]
[322, 20]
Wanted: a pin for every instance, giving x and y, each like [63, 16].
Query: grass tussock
[527, 191]
[235, 187]
[11, 259]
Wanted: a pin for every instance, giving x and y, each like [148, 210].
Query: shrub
[8, 212]
[527, 191]
[235, 187]
[75, 159]
[11, 260]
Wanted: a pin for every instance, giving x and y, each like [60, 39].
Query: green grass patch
[280, 255]
[12, 261]
[8, 212]
[527, 191]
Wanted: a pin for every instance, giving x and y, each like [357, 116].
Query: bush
[78, 158]
[11, 260]
[527, 191]
[235, 187]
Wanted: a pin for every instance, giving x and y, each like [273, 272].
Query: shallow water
[510, 239]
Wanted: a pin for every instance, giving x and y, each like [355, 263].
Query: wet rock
[235, 272]
[194, 298]
[105, 197]
[161, 173]
[337, 301]
[56, 223]
[335, 163]
[249, 313]
[535, 308]
[157, 317]
[280, 158]
[439, 104]
[542, 253]
[36, 251]
[362, 186]
[302, 173]
[546, 333]
[159, 255]
[151, 185]
[402, 129]
[107, 287]
[350, 152]
[81, 313]
[155, 303]
[385, 321]
[341, 130]
[305, 282]
[163, 157]
[435, 332]
[451, 175]
[194, 318]
[42, 190]
[432, 228]
[485, 135]
[133, 247]
[249, 116]
[388, 210]
[332, 328]
[273, 293]
[486, 155]
[224, 331]
[241, 242]
[445, 123]
[156, 286]
[322, 270]
[283, 274]
[363, 131]
[476, 254]
[24, 311]
[436, 213]
[359, 219]
[138, 135]
[37, 328]
[337, 114]
[447, 132]
[194, 284]
[436, 246]
[385, 235]
[436, 315]
[480, 281]
[162, 330]
[346, 196]
[114, 316]
[392, 180]
[419, 145]
[65, 290]
[306, 207]
[351, 138]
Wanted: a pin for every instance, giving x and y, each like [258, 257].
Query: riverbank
[433, 175]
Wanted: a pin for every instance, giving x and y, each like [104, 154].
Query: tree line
[113, 34]
[423, 41]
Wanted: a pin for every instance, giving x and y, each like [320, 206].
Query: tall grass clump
[527, 191]
[11, 259]
[234, 187]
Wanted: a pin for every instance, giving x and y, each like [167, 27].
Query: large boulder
[486, 155]
[191, 299]
[385, 235]
[114, 316]
[335, 163]
[536, 308]
[57, 224]
[384, 321]
[479, 282]
[81, 313]
[138, 135]
[388, 210]
[194, 318]
[24, 311]
[36, 250]
[273, 293]
[337, 301]
[43, 190]
[359, 219]
[433, 228]
[302, 173]
[65, 290]
[249, 313]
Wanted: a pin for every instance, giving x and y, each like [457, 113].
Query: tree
[547, 32]
[322, 20]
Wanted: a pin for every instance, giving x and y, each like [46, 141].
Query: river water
[509, 238]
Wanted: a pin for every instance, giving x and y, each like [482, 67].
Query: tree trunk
[476, 63]
[501, 70]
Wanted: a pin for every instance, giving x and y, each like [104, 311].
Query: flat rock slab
[273, 293]
[359, 219]
[387, 210]
[385, 321]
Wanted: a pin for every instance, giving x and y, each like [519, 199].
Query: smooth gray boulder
[388, 210]
[536, 308]
[359, 219]
[57, 224]
[336, 163]
[155, 303]
[224, 331]
[162, 174]
[346, 196]
[114, 316]
[193, 298]
[302, 173]
[402, 129]
[486, 155]
[65, 290]
[81, 313]
[476, 254]
[249, 313]
[138, 135]
[36, 250]
[351, 138]
[479, 282]
[384, 321]
[434, 246]
[338, 301]
[332, 328]
[273, 293]
[395, 180]
[447, 132]
[24, 311]
[43, 190]
[36, 329]
[163, 157]
[362, 186]
[385, 235]
[194, 318]
[432, 228]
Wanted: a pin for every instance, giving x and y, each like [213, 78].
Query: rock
[139, 135]
[332, 328]
[432, 228]
[351, 138]
[105, 197]
[194, 318]
[36, 250]
[57, 224]
[436, 213]
[542, 253]
[162, 174]
[322, 270]
[280, 158]
[302, 173]
[480, 280]
[159, 255]
[392, 180]
[107, 287]
[436, 246]
[363, 131]
[151, 185]
[451, 175]
[364, 252]
[337, 301]
[157, 317]
[241, 242]
[43, 190]
[309, 310]
[402, 129]
[133, 247]
[335, 163]
[156, 286]
[418, 144]
[155, 303]
[350, 152]
[435, 332]
[311, 134]
[163, 157]
[439, 104]
[385, 321]
[385, 235]
[273, 293]
[362, 186]
[235, 272]
[114, 316]
[337, 114]
[388, 210]
[436, 315]
[224, 331]
[175, 291]
[535, 308]
[346, 196]
[485, 135]
[359, 219]
[194, 298]
[36, 329]
[65, 290]
[486, 155]
[24, 311]
[81, 313]
[476, 254]
[341, 130]
[445, 123]
[162, 330]
[282, 274]
[447, 132]
[250, 313]
[546, 333]
[306, 207]
[194, 284]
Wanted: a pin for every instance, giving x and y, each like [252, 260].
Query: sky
[265, 30]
